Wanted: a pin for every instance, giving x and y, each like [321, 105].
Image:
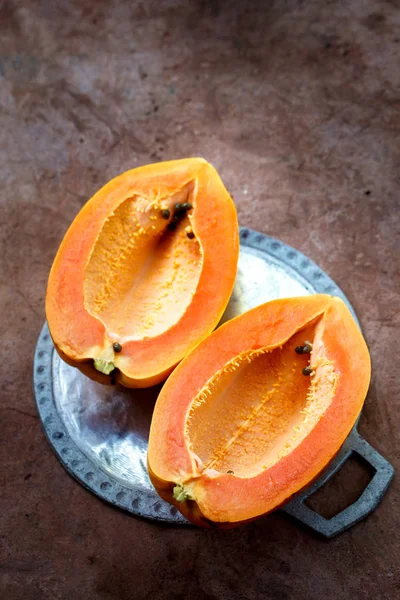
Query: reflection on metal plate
[111, 425]
[100, 433]
[260, 280]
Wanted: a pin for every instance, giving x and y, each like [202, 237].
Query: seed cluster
[305, 349]
[180, 210]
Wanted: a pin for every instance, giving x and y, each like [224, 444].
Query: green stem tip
[104, 366]
[179, 493]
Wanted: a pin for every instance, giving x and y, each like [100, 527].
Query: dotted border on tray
[135, 500]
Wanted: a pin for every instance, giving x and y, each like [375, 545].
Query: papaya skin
[191, 511]
[335, 393]
[90, 307]
[189, 508]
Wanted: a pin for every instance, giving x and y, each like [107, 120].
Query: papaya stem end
[104, 366]
[180, 495]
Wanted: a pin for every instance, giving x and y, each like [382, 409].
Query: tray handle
[366, 503]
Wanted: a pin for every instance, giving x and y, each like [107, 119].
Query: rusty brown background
[297, 104]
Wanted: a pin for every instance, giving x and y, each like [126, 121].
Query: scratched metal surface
[100, 433]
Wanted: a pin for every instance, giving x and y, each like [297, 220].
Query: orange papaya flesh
[246, 421]
[144, 272]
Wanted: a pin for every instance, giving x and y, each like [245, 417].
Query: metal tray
[100, 433]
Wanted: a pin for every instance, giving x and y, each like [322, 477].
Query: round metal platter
[100, 433]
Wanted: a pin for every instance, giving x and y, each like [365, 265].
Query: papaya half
[144, 272]
[257, 410]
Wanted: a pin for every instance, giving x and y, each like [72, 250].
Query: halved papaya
[144, 272]
[257, 410]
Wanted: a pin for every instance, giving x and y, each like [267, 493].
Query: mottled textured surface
[298, 106]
